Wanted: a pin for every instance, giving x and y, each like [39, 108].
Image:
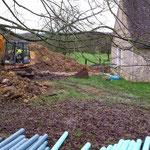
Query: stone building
[131, 42]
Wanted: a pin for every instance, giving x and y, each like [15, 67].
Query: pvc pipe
[107, 74]
[137, 145]
[119, 144]
[28, 143]
[34, 143]
[12, 137]
[14, 142]
[125, 145]
[86, 146]
[60, 141]
[146, 145]
[47, 148]
[39, 142]
[109, 147]
[18, 144]
[43, 146]
[132, 143]
[103, 148]
[112, 76]
[114, 147]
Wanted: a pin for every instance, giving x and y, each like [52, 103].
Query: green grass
[135, 90]
[78, 133]
[93, 57]
[96, 88]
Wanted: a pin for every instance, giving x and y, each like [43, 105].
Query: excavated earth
[49, 65]
[52, 63]
[47, 60]
[15, 88]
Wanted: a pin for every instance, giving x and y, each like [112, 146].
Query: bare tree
[65, 25]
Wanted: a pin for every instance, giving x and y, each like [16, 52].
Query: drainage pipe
[43, 146]
[39, 142]
[103, 148]
[60, 141]
[146, 145]
[86, 146]
[28, 143]
[18, 144]
[47, 148]
[14, 142]
[114, 147]
[112, 76]
[132, 143]
[109, 147]
[12, 137]
[138, 144]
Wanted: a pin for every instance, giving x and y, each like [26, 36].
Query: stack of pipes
[17, 141]
[130, 145]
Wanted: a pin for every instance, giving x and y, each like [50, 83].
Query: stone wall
[128, 60]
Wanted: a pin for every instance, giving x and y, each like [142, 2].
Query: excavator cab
[16, 53]
[16, 56]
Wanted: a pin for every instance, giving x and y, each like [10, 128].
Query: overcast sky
[33, 21]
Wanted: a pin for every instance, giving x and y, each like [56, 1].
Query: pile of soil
[52, 61]
[13, 87]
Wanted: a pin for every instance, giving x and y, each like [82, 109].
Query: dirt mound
[52, 61]
[13, 87]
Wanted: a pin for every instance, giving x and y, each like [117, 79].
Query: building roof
[138, 12]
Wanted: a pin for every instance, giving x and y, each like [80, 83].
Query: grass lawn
[79, 57]
[140, 90]
[91, 110]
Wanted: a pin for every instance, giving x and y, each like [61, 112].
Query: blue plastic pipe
[14, 142]
[114, 147]
[60, 141]
[18, 144]
[39, 142]
[112, 76]
[132, 143]
[119, 144]
[103, 148]
[125, 145]
[28, 143]
[47, 148]
[146, 145]
[34, 143]
[138, 144]
[109, 147]
[86, 146]
[12, 137]
[43, 146]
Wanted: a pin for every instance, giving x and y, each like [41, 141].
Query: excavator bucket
[83, 73]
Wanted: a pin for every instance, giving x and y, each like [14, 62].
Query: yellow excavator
[16, 56]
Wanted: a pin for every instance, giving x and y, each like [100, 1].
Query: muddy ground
[53, 104]
[91, 116]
